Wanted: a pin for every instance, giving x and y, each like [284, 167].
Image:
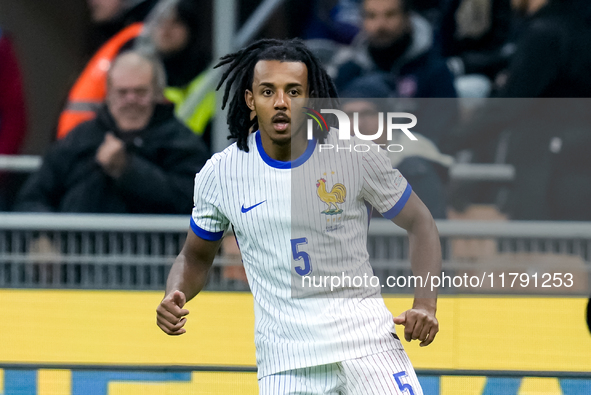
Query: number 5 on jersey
[299, 255]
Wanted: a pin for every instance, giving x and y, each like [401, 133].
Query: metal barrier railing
[20, 163]
[95, 251]
[136, 251]
[541, 237]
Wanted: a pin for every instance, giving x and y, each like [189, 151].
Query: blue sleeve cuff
[394, 211]
[205, 234]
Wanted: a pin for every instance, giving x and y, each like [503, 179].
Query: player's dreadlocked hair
[241, 71]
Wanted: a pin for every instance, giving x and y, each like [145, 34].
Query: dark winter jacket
[162, 161]
[552, 57]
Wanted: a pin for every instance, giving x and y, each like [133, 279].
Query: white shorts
[389, 372]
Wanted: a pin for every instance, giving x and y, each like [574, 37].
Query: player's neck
[286, 152]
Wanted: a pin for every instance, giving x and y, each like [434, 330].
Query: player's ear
[249, 98]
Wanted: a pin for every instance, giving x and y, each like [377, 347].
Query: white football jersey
[297, 219]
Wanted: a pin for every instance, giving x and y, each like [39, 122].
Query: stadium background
[106, 342]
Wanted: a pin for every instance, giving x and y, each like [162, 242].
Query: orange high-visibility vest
[89, 91]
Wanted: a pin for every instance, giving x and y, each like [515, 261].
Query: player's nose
[280, 101]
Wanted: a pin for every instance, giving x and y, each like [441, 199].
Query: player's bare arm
[186, 279]
[425, 257]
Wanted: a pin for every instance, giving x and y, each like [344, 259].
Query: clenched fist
[171, 314]
[418, 324]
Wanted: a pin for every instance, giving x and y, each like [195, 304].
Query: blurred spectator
[420, 161]
[473, 34]
[135, 157]
[398, 42]
[109, 17]
[177, 37]
[120, 24]
[12, 113]
[549, 138]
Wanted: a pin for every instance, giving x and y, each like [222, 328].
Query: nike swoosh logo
[247, 209]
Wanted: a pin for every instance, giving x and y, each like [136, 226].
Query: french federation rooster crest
[336, 195]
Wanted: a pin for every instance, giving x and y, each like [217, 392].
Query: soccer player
[312, 345]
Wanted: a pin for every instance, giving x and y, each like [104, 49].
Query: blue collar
[278, 164]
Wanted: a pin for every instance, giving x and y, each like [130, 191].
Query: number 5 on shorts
[403, 387]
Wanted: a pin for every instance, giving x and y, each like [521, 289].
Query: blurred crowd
[491, 81]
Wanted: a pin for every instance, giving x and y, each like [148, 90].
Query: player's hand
[418, 324]
[111, 155]
[171, 314]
